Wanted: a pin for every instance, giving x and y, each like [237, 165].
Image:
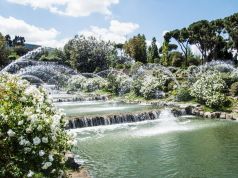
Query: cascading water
[38, 71]
[166, 123]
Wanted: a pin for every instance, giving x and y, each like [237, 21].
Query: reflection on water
[167, 147]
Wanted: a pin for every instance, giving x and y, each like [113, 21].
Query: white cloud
[116, 32]
[32, 34]
[74, 8]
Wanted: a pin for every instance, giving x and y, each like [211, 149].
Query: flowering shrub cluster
[33, 141]
[79, 82]
[119, 84]
[152, 87]
[208, 89]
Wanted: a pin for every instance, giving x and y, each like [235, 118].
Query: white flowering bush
[33, 141]
[93, 84]
[81, 83]
[209, 89]
[152, 87]
[119, 84]
[75, 82]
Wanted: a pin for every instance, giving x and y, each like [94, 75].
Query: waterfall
[112, 119]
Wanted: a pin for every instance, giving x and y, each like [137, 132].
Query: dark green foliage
[176, 58]
[182, 38]
[183, 94]
[20, 50]
[89, 54]
[153, 52]
[3, 51]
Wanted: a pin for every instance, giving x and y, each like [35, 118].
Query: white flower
[45, 140]
[20, 122]
[41, 153]
[51, 158]
[23, 99]
[24, 142]
[39, 128]
[28, 111]
[36, 141]
[32, 118]
[30, 173]
[27, 149]
[54, 138]
[46, 165]
[11, 133]
[29, 130]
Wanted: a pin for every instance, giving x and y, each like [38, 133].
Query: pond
[85, 108]
[167, 147]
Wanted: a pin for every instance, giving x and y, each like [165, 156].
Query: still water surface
[167, 147]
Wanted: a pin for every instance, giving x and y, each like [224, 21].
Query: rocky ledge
[76, 169]
[198, 111]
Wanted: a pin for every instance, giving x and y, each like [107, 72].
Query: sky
[53, 22]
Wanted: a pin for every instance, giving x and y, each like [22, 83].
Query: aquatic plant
[32, 134]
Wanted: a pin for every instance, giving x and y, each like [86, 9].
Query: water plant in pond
[32, 135]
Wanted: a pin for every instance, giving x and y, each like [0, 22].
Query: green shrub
[33, 140]
[152, 87]
[81, 83]
[119, 84]
[229, 78]
[234, 89]
[135, 67]
[13, 57]
[183, 94]
[209, 89]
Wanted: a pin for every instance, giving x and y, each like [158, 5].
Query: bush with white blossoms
[81, 83]
[119, 84]
[152, 87]
[209, 89]
[33, 140]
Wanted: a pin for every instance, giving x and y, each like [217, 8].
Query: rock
[229, 116]
[71, 163]
[189, 110]
[223, 116]
[217, 115]
[234, 118]
[201, 113]
[207, 115]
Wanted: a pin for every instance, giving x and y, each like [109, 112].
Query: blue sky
[53, 22]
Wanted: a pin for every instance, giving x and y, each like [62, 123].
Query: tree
[136, 48]
[203, 35]
[8, 40]
[182, 38]
[3, 51]
[165, 54]
[18, 41]
[89, 54]
[231, 27]
[153, 52]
